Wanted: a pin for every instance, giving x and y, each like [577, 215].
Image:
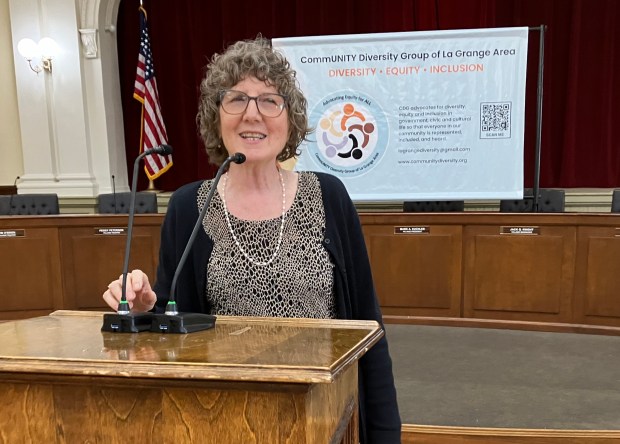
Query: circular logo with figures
[351, 133]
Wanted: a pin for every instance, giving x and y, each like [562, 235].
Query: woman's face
[260, 138]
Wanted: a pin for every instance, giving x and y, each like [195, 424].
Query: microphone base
[182, 323]
[127, 323]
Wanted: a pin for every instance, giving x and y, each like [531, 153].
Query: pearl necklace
[232, 232]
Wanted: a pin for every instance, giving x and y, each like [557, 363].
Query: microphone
[123, 321]
[114, 195]
[13, 194]
[162, 150]
[172, 321]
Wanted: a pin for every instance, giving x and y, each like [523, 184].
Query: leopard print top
[298, 283]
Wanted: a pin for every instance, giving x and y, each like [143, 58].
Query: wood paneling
[484, 267]
[30, 270]
[519, 276]
[63, 262]
[597, 280]
[456, 266]
[94, 411]
[417, 274]
[420, 434]
[6, 190]
[91, 261]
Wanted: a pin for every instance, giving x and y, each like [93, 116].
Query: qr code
[495, 120]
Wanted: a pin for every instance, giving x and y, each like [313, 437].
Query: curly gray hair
[255, 58]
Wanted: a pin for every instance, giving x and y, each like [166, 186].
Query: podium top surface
[236, 349]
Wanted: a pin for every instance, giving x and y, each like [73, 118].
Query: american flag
[153, 131]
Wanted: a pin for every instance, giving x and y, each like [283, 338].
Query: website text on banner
[435, 115]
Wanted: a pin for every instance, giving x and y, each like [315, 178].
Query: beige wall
[71, 120]
[10, 139]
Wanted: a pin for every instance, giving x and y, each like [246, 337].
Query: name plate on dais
[110, 231]
[412, 230]
[12, 233]
[520, 230]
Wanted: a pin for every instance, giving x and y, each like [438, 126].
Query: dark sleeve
[167, 257]
[383, 424]
[377, 390]
[180, 217]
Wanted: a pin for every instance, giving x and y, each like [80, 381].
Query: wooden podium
[248, 380]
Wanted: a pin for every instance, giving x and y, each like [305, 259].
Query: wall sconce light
[46, 49]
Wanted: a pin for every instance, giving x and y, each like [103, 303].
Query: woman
[275, 242]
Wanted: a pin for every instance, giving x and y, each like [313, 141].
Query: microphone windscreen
[238, 158]
[163, 150]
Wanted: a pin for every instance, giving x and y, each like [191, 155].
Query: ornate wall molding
[89, 42]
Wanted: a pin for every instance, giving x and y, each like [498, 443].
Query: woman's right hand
[139, 293]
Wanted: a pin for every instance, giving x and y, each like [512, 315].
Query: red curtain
[581, 68]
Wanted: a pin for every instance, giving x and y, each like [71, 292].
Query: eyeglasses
[236, 102]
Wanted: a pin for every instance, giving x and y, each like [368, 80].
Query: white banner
[435, 115]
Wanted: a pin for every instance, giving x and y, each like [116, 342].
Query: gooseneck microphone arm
[171, 307]
[123, 321]
[13, 194]
[114, 195]
[172, 321]
[164, 150]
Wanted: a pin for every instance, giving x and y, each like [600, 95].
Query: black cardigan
[353, 288]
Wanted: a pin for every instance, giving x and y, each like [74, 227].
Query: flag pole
[152, 128]
[151, 188]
